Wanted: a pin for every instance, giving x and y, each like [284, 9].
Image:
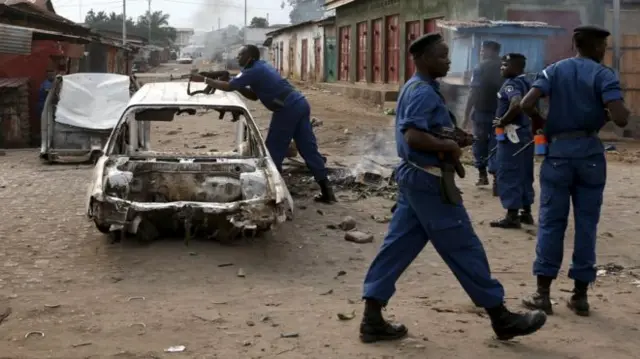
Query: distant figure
[45, 87]
[481, 109]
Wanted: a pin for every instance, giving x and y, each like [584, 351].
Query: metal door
[330, 59]
[345, 52]
[304, 60]
[361, 74]
[393, 49]
[413, 32]
[430, 25]
[558, 46]
[317, 57]
[292, 64]
[376, 42]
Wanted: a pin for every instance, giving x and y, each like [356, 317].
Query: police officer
[583, 94]
[481, 107]
[515, 152]
[291, 114]
[422, 216]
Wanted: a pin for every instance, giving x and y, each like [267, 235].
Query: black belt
[572, 135]
[279, 100]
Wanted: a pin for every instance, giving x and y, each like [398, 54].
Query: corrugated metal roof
[15, 40]
[13, 82]
[484, 23]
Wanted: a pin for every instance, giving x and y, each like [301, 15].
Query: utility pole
[149, 21]
[267, 19]
[124, 23]
[616, 35]
[244, 33]
[80, 19]
[218, 23]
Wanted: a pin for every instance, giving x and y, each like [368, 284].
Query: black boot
[510, 221]
[374, 328]
[541, 298]
[508, 325]
[526, 217]
[578, 302]
[483, 178]
[494, 187]
[326, 192]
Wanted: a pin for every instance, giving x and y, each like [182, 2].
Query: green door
[330, 59]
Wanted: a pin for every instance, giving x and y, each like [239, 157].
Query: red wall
[34, 67]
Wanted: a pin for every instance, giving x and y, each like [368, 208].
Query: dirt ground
[69, 293]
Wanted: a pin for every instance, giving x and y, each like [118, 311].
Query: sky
[200, 15]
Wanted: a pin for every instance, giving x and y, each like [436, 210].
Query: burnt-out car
[139, 190]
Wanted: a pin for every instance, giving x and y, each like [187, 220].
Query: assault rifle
[451, 194]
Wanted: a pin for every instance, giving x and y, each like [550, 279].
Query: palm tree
[157, 25]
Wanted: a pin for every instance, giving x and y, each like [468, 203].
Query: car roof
[175, 93]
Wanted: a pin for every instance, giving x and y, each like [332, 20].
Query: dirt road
[72, 294]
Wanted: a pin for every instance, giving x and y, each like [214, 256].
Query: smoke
[376, 152]
[208, 14]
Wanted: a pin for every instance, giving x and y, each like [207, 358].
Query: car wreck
[79, 113]
[220, 194]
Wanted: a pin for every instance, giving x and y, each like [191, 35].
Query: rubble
[348, 223]
[358, 237]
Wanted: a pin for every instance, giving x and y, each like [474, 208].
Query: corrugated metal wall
[15, 40]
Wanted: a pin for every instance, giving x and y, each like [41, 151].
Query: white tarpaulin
[92, 100]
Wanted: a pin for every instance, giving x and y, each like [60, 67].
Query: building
[372, 36]
[183, 36]
[105, 53]
[297, 51]
[33, 39]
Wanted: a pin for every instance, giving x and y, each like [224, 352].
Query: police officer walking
[583, 95]
[481, 108]
[421, 214]
[515, 152]
[291, 114]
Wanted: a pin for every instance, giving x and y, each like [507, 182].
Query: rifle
[215, 75]
[208, 90]
[450, 192]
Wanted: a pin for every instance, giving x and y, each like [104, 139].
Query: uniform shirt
[513, 87]
[420, 107]
[45, 87]
[267, 84]
[486, 81]
[577, 89]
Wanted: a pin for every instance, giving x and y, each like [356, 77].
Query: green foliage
[259, 22]
[159, 33]
[305, 10]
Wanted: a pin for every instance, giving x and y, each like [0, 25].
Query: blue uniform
[515, 173]
[575, 169]
[421, 215]
[486, 81]
[290, 119]
[45, 87]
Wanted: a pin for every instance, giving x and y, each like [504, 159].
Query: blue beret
[418, 45]
[592, 30]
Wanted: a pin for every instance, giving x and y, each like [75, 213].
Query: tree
[305, 10]
[259, 22]
[161, 33]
